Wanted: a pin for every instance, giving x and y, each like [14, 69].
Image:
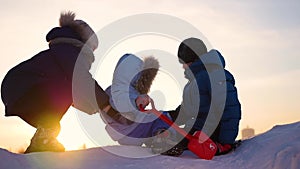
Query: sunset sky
[260, 41]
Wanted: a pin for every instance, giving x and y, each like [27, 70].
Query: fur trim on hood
[150, 69]
[85, 32]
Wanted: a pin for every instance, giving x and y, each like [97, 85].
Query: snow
[277, 148]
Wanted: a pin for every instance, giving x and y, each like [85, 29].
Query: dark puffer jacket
[45, 85]
[210, 101]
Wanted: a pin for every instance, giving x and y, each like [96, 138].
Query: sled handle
[169, 122]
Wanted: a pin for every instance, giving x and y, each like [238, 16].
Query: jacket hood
[135, 72]
[127, 70]
[213, 57]
[147, 75]
[208, 61]
[64, 32]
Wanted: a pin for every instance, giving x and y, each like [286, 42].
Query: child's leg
[165, 137]
[143, 132]
[139, 134]
[43, 107]
[39, 110]
[159, 125]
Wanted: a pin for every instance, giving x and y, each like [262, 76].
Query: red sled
[199, 143]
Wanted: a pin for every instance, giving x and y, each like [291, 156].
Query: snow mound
[277, 148]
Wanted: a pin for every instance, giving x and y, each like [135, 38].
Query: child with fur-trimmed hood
[131, 82]
[41, 89]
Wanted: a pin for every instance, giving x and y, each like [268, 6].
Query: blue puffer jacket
[210, 102]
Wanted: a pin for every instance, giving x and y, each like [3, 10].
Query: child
[41, 89]
[210, 103]
[132, 80]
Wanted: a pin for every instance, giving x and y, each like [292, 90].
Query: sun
[71, 134]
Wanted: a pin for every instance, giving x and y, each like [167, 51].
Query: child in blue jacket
[210, 102]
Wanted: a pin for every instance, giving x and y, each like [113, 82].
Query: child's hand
[152, 110]
[142, 101]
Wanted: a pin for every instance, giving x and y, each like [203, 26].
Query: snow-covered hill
[277, 148]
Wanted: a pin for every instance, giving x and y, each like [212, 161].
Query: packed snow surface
[277, 148]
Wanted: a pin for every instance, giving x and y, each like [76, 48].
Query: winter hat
[86, 33]
[147, 75]
[190, 50]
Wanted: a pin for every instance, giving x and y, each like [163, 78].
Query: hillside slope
[277, 148]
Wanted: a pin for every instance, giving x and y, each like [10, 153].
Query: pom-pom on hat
[86, 33]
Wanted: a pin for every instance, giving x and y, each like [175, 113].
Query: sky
[259, 40]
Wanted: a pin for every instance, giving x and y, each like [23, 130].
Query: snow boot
[178, 149]
[162, 142]
[223, 148]
[44, 139]
[227, 148]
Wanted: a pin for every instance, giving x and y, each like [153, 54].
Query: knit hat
[86, 33]
[190, 50]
